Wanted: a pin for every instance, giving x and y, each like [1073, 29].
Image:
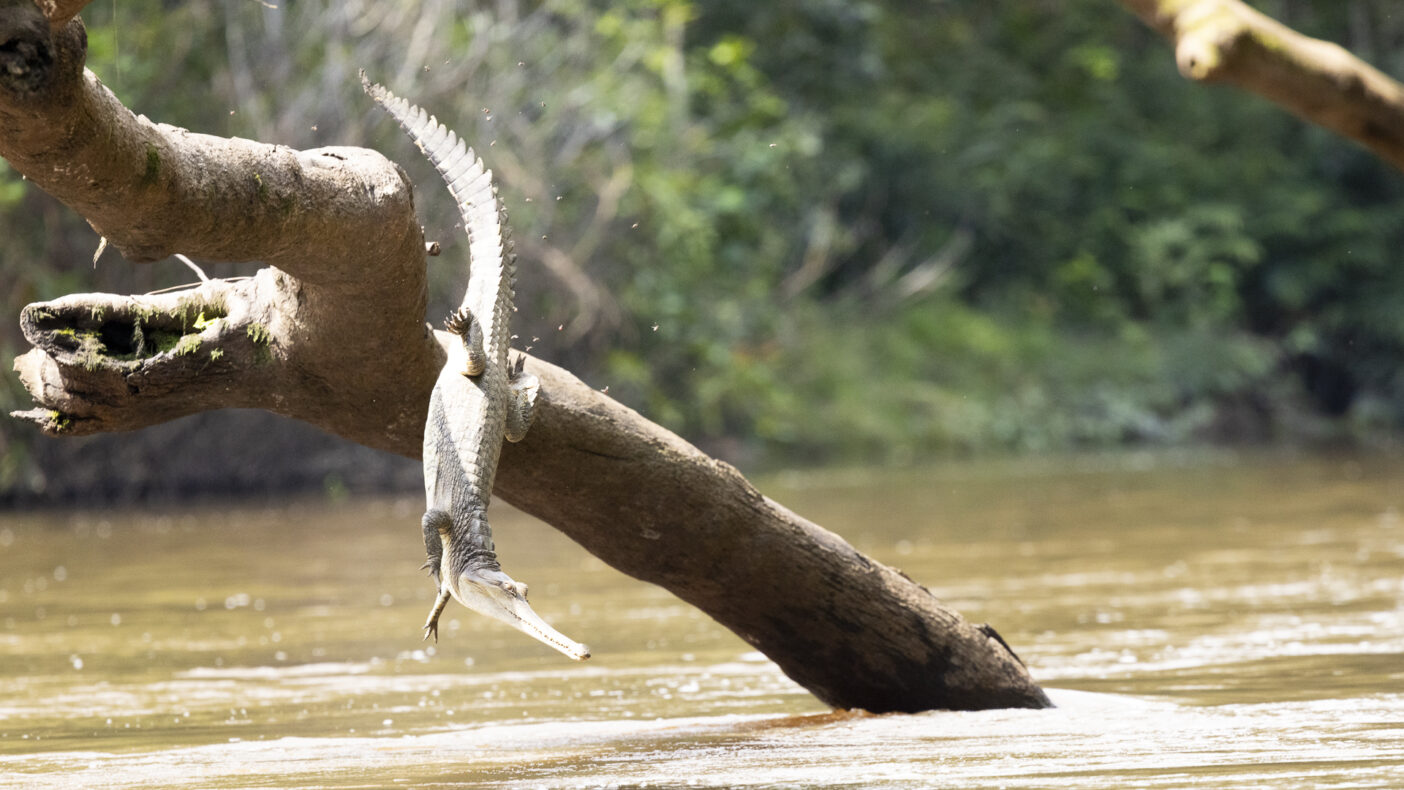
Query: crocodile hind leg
[462, 323]
[522, 388]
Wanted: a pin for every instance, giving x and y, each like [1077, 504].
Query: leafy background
[803, 232]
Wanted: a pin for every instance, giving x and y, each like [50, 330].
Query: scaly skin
[478, 400]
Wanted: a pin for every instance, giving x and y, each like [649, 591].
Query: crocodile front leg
[437, 523]
[431, 626]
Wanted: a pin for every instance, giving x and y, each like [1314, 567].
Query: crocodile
[479, 399]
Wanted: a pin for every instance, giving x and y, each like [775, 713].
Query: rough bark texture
[337, 223]
[853, 631]
[1227, 41]
[338, 228]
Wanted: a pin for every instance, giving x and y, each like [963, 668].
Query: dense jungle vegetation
[831, 231]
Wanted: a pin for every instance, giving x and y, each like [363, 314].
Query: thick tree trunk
[332, 333]
[1228, 41]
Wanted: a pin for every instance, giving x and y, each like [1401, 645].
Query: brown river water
[1206, 620]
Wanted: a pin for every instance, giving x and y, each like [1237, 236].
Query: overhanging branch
[1228, 41]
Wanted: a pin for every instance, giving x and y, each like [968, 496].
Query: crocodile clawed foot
[461, 322]
[431, 626]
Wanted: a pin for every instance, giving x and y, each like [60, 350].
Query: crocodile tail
[509, 246]
[468, 179]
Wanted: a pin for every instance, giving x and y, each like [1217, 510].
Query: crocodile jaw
[494, 594]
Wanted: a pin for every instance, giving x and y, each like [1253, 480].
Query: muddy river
[1215, 620]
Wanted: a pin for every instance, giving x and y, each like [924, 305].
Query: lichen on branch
[103, 362]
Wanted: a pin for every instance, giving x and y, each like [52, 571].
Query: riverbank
[250, 455]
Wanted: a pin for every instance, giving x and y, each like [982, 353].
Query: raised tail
[468, 179]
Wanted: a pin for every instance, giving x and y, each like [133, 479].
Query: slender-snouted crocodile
[479, 399]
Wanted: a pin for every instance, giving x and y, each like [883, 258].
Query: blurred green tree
[824, 230]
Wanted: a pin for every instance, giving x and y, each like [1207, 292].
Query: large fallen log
[332, 332]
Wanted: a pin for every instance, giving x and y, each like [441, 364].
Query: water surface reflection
[1216, 621]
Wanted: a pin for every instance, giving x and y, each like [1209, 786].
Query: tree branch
[1227, 41]
[339, 230]
[337, 223]
[854, 632]
[104, 363]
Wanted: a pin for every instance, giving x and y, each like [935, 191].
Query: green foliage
[841, 229]
[11, 188]
[1148, 255]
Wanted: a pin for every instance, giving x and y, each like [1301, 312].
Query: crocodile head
[493, 593]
